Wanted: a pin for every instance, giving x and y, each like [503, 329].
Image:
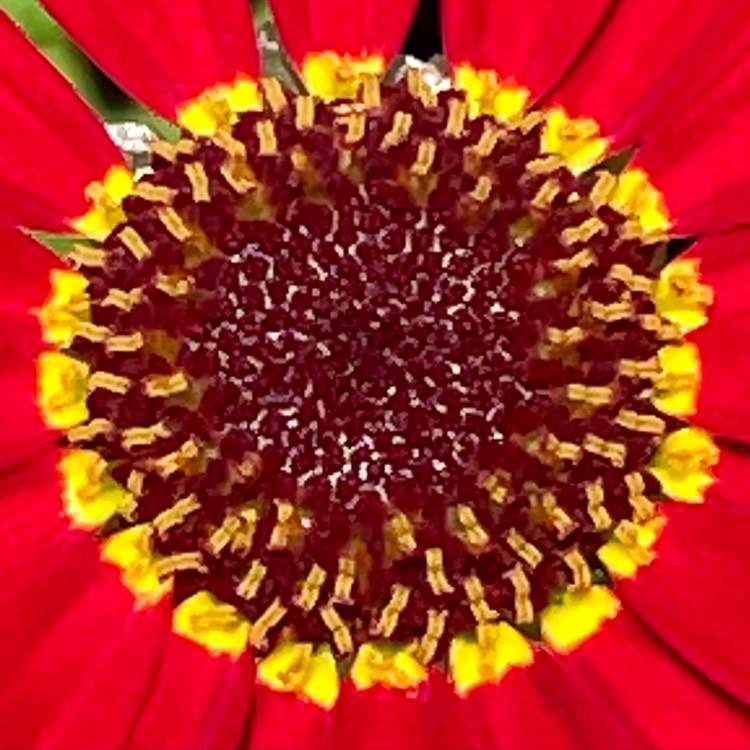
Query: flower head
[379, 390]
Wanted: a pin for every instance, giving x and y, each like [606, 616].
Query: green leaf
[60, 244]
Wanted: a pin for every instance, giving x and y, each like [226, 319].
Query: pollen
[376, 379]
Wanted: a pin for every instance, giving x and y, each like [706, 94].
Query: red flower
[82, 665]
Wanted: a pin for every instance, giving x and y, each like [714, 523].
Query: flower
[373, 415]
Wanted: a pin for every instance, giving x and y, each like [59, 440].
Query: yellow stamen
[524, 549]
[554, 514]
[676, 390]
[242, 535]
[680, 297]
[305, 112]
[634, 282]
[576, 140]
[389, 616]
[176, 514]
[66, 308]
[631, 547]
[161, 386]
[436, 577]
[131, 550]
[249, 585]
[91, 332]
[271, 616]
[648, 423]
[401, 531]
[469, 528]
[332, 76]
[479, 607]
[497, 488]
[402, 122]
[91, 497]
[612, 312]
[342, 590]
[615, 452]
[180, 561]
[108, 381]
[583, 232]
[457, 111]
[424, 650]
[174, 223]
[131, 342]
[284, 529]
[220, 106]
[488, 657]
[590, 394]
[580, 569]
[356, 123]
[106, 198]
[425, 157]
[294, 667]
[486, 94]
[62, 388]
[178, 460]
[596, 510]
[647, 369]
[267, 137]
[138, 436]
[577, 617]
[684, 462]
[199, 184]
[311, 587]
[123, 300]
[213, 624]
[636, 198]
[87, 256]
[522, 588]
[154, 193]
[273, 94]
[342, 637]
[482, 190]
[386, 664]
[90, 430]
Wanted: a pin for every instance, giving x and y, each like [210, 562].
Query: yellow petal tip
[580, 614]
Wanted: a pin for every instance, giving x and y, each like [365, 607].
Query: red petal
[724, 397]
[70, 654]
[22, 432]
[364, 27]
[281, 721]
[701, 160]
[694, 595]
[197, 700]
[38, 551]
[24, 284]
[393, 719]
[447, 720]
[436, 718]
[100, 711]
[164, 52]
[25, 267]
[625, 689]
[523, 712]
[531, 42]
[651, 61]
[53, 145]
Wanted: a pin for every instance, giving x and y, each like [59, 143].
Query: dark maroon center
[371, 342]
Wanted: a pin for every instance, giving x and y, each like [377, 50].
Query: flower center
[382, 369]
